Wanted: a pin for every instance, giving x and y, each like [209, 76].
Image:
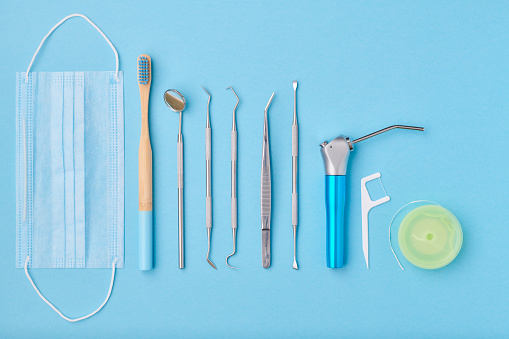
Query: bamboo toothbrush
[145, 167]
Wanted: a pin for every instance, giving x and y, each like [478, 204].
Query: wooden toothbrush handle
[145, 175]
[145, 163]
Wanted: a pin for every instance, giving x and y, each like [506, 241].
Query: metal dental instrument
[234, 180]
[208, 176]
[177, 103]
[265, 193]
[385, 130]
[295, 154]
[335, 159]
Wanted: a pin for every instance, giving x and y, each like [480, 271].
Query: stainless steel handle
[208, 196]
[295, 153]
[265, 187]
[180, 175]
[234, 178]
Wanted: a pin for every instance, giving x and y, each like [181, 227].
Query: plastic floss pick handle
[367, 205]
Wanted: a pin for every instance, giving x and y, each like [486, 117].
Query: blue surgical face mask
[69, 168]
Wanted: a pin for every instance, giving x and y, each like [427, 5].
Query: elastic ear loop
[113, 265]
[390, 236]
[61, 22]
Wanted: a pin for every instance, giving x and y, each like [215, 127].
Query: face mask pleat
[24, 161]
[96, 167]
[68, 161]
[116, 168]
[79, 169]
[57, 176]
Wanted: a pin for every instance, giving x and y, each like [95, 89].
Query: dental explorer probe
[208, 194]
[265, 193]
[234, 179]
[295, 154]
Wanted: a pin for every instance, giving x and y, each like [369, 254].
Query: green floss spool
[430, 236]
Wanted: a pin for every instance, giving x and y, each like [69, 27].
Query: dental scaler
[335, 157]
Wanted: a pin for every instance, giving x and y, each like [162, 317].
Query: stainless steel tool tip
[266, 248]
[270, 100]
[295, 266]
[227, 264]
[211, 263]
[208, 249]
[234, 234]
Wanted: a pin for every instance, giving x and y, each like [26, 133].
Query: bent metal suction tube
[335, 157]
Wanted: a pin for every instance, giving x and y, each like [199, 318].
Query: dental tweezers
[265, 193]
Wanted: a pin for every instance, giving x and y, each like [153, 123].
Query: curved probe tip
[229, 264]
[230, 87]
[205, 90]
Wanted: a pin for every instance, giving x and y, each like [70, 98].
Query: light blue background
[361, 66]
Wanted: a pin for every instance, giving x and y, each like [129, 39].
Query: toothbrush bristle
[143, 70]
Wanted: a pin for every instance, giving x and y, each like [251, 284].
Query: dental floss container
[430, 236]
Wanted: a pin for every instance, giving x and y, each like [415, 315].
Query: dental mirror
[176, 102]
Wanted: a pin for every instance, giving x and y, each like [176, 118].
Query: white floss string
[390, 236]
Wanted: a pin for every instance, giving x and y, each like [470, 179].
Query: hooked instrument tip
[234, 233]
[229, 264]
[208, 105]
[230, 87]
[205, 90]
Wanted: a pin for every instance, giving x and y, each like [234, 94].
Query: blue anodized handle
[335, 159]
[335, 227]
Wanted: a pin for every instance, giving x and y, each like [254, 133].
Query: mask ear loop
[61, 22]
[390, 225]
[113, 265]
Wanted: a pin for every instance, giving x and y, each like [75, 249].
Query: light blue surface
[335, 195]
[360, 67]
